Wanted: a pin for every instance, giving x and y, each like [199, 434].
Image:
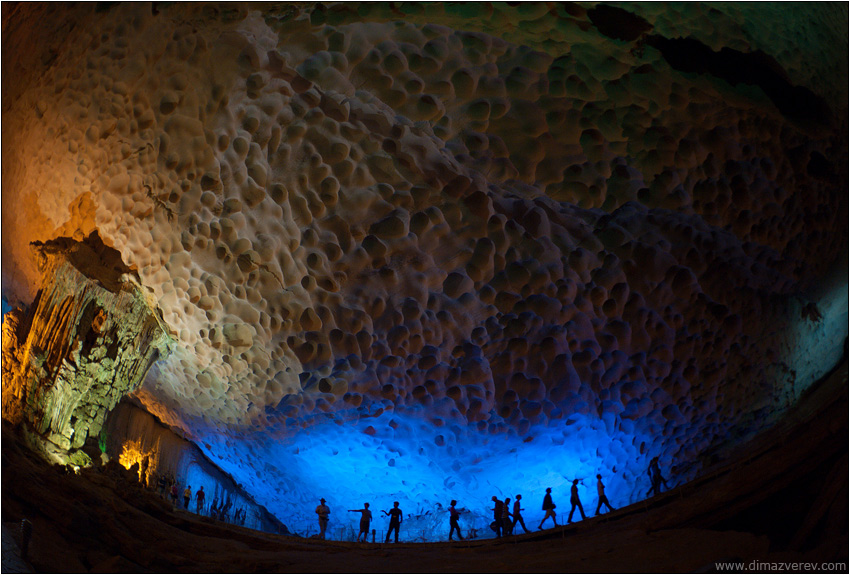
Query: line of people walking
[505, 521]
[505, 516]
[169, 488]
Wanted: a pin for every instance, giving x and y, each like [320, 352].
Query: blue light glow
[6, 307]
[396, 458]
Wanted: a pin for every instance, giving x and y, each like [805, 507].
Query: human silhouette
[200, 495]
[187, 496]
[507, 524]
[549, 508]
[600, 491]
[454, 515]
[655, 477]
[323, 511]
[395, 516]
[518, 515]
[575, 502]
[365, 519]
[497, 516]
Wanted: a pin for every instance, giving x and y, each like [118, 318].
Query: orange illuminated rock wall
[490, 219]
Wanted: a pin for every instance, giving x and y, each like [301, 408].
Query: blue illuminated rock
[482, 251]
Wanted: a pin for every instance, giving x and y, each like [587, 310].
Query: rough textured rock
[88, 340]
[132, 436]
[782, 498]
[415, 246]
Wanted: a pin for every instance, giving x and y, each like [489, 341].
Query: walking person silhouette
[507, 524]
[575, 502]
[517, 515]
[497, 516]
[200, 495]
[600, 491]
[549, 508]
[454, 515]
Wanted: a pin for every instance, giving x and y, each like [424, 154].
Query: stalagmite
[483, 246]
[89, 339]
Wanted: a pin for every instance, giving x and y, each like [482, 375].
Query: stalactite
[88, 340]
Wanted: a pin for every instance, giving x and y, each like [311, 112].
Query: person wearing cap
[322, 511]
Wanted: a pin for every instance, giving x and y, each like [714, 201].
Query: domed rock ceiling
[429, 252]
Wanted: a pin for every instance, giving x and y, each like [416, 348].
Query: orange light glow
[132, 453]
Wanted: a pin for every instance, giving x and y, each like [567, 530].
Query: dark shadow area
[618, 23]
[733, 66]
[803, 514]
[753, 68]
[781, 497]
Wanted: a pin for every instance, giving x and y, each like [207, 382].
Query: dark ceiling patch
[618, 23]
[754, 68]
[733, 66]
[820, 167]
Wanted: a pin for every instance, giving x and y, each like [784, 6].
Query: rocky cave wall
[88, 340]
[423, 256]
[131, 435]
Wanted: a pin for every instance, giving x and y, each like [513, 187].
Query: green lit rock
[80, 459]
[89, 338]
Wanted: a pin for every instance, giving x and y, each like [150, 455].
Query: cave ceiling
[412, 243]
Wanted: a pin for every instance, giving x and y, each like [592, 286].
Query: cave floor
[782, 497]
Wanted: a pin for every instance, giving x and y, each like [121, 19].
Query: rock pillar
[88, 339]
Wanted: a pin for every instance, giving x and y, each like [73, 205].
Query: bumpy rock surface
[89, 339]
[394, 235]
[132, 437]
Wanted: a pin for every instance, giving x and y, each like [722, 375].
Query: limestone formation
[88, 340]
[416, 244]
[134, 438]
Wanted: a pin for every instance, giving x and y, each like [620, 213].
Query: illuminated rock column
[88, 339]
